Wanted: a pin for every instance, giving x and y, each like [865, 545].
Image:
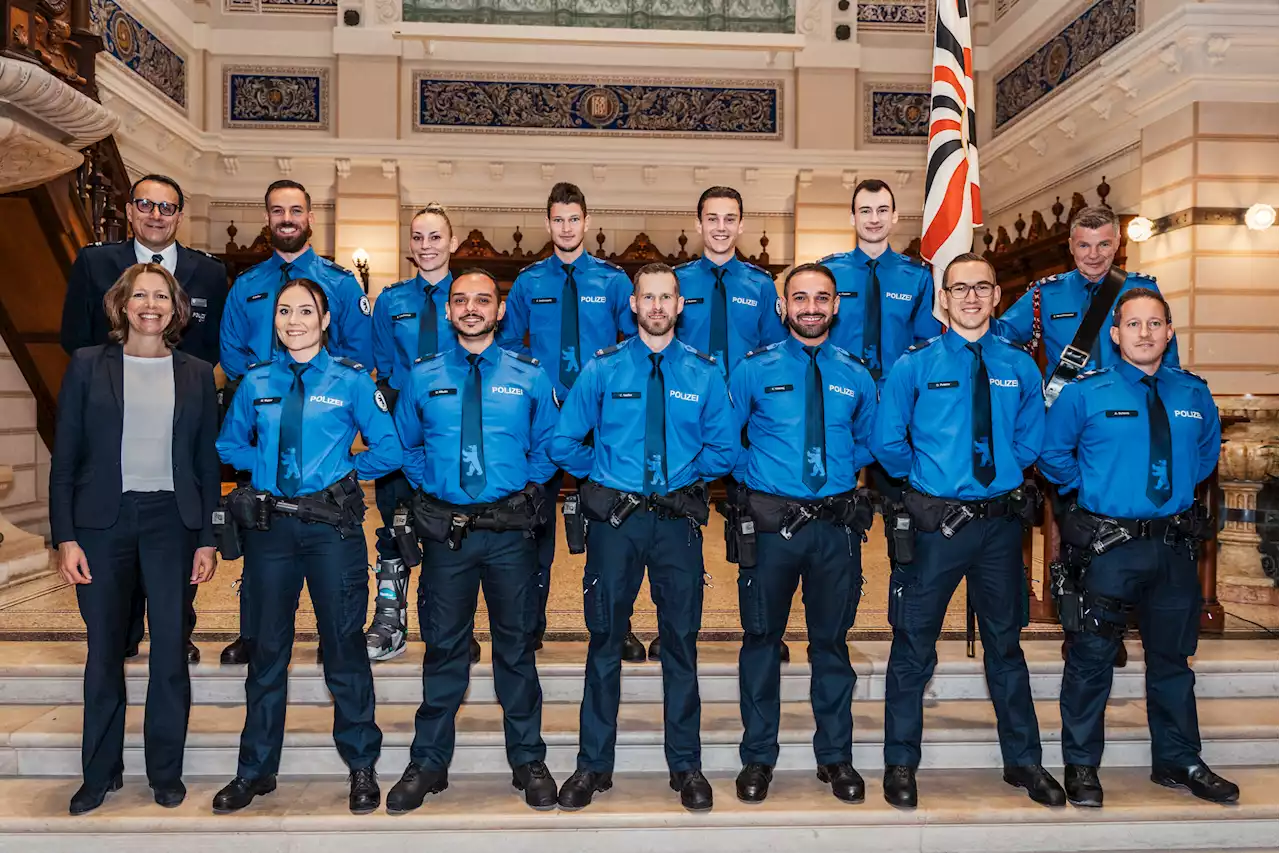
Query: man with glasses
[961, 416]
[154, 212]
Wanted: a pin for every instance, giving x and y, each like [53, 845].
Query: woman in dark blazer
[133, 484]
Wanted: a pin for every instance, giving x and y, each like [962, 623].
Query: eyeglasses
[146, 205]
[960, 291]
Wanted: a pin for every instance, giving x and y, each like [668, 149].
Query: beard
[573, 248]
[657, 326]
[479, 332]
[810, 331]
[289, 245]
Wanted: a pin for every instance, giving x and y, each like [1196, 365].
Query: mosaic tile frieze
[895, 112]
[601, 106]
[1074, 49]
[275, 97]
[747, 16]
[140, 50]
[896, 16]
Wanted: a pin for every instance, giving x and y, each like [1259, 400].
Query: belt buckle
[1171, 535]
[1075, 357]
[1144, 528]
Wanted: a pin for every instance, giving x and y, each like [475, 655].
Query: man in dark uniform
[663, 426]
[155, 212]
[1134, 440]
[808, 408]
[961, 417]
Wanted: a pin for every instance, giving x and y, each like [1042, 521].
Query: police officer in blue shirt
[291, 424]
[476, 421]
[410, 320]
[808, 408]
[1054, 308]
[961, 416]
[663, 426]
[570, 305]
[1134, 440]
[730, 306]
[248, 334]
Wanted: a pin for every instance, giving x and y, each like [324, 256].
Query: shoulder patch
[527, 359]
[335, 265]
[762, 350]
[380, 401]
[346, 362]
[709, 359]
[365, 308]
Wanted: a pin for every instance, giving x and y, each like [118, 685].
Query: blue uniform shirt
[1097, 439]
[924, 428]
[610, 398]
[248, 327]
[395, 326]
[751, 309]
[906, 303]
[1064, 298]
[768, 394]
[533, 306]
[518, 415]
[340, 399]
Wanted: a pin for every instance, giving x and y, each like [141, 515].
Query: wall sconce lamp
[1260, 217]
[360, 258]
[1140, 229]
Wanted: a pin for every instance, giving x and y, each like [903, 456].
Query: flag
[952, 203]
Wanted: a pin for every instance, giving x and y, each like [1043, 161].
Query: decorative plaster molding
[342, 166]
[28, 159]
[31, 91]
[275, 97]
[389, 169]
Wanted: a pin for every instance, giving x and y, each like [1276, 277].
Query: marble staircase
[965, 805]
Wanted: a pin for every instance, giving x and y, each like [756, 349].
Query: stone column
[1249, 455]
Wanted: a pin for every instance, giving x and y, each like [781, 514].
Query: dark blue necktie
[984, 463]
[655, 430]
[718, 342]
[471, 463]
[871, 322]
[1095, 351]
[286, 276]
[814, 474]
[1160, 460]
[569, 356]
[428, 342]
[157, 259]
[289, 461]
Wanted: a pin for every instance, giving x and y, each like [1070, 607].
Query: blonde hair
[121, 292]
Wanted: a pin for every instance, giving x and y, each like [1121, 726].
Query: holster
[225, 395]
[786, 516]
[404, 536]
[739, 526]
[575, 524]
[226, 533]
[340, 505]
[1066, 585]
[601, 503]
[449, 524]
[932, 514]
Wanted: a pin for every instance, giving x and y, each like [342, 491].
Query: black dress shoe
[236, 654]
[1041, 787]
[1083, 787]
[88, 798]
[1199, 780]
[475, 651]
[900, 786]
[846, 784]
[694, 789]
[239, 792]
[538, 786]
[786, 652]
[655, 649]
[365, 794]
[170, 794]
[633, 651]
[578, 789]
[753, 782]
[414, 785]
[193, 652]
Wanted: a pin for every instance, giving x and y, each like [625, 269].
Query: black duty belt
[778, 514]
[602, 503]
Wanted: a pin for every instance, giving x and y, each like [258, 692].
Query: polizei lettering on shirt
[680, 395]
[594, 300]
[848, 392]
[743, 301]
[1187, 413]
[901, 297]
[506, 389]
[330, 401]
[1004, 383]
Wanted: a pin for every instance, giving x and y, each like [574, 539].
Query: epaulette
[337, 266]
[428, 357]
[527, 359]
[709, 359]
[679, 267]
[844, 352]
[922, 344]
[913, 260]
[346, 362]
[208, 255]
[1143, 275]
[524, 270]
[257, 364]
[831, 257]
[1091, 374]
[606, 262]
[756, 352]
[1184, 372]
[398, 284]
[1047, 279]
[106, 243]
[758, 269]
[610, 350]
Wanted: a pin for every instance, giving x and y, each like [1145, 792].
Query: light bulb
[1260, 217]
[1140, 229]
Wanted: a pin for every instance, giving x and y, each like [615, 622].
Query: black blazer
[85, 482]
[202, 276]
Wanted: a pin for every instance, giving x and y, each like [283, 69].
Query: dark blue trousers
[504, 565]
[389, 491]
[1162, 583]
[148, 545]
[277, 561]
[547, 550]
[828, 561]
[987, 553]
[616, 562]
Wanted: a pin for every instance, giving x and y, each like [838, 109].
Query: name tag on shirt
[774, 389]
[439, 392]
[262, 401]
[403, 316]
[626, 395]
[199, 302]
[545, 300]
[255, 297]
[954, 383]
[1122, 413]
[846, 293]
[1063, 316]
[694, 301]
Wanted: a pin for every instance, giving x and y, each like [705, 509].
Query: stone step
[52, 673]
[37, 740]
[962, 811]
